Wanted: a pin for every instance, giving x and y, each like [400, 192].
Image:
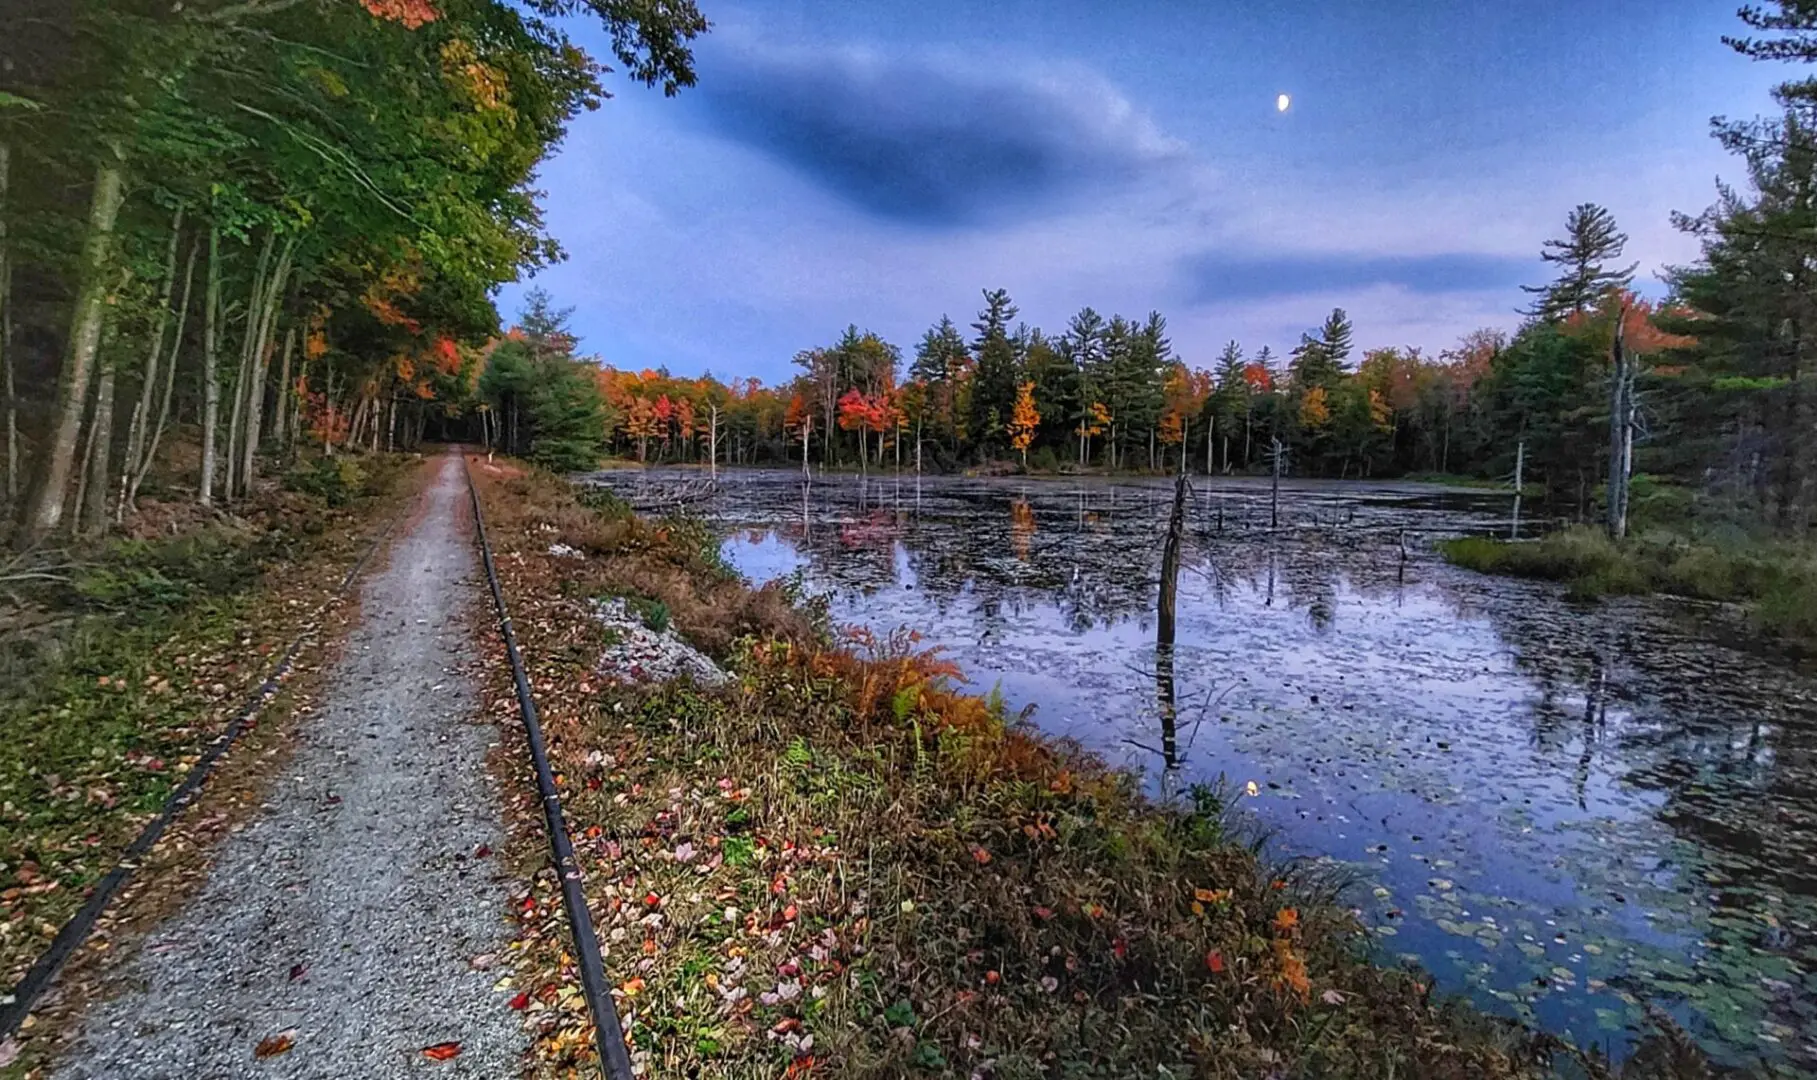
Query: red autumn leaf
[444, 1051]
[273, 1045]
[1215, 961]
[789, 913]
[1120, 947]
[521, 1001]
[1044, 913]
[482, 851]
[981, 856]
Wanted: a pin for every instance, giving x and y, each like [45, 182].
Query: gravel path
[361, 870]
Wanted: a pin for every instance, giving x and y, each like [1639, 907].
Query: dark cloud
[927, 142]
[1211, 278]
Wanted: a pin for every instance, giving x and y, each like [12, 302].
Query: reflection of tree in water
[1727, 740]
[1021, 527]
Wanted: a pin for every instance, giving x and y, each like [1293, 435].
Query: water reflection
[1564, 811]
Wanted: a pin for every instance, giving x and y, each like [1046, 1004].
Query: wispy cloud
[932, 140]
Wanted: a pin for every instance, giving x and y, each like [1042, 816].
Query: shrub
[337, 481]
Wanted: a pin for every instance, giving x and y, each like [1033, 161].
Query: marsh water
[1566, 812]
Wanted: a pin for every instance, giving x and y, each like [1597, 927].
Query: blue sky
[881, 163]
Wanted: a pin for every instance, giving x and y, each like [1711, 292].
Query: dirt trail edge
[340, 928]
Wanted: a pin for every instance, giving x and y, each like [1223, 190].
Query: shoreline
[868, 719]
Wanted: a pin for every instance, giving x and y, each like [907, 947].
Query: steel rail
[608, 1034]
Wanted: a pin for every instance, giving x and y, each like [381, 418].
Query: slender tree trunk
[6, 334]
[100, 451]
[255, 410]
[150, 453]
[243, 386]
[84, 342]
[1620, 433]
[148, 379]
[328, 414]
[280, 412]
[211, 374]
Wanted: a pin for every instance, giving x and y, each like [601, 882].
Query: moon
[1281, 102]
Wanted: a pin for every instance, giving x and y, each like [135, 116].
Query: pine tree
[1591, 242]
[994, 389]
[1335, 337]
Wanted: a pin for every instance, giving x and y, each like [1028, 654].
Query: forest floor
[834, 862]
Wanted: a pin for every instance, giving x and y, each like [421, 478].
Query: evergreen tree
[1335, 337]
[1591, 243]
[994, 387]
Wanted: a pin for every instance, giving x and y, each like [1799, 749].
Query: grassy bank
[1776, 580]
[841, 864]
[121, 659]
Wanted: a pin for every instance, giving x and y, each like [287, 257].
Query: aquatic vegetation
[1777, 579]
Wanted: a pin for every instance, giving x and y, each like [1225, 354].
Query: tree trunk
[280, 410]
[100, 452]
[6, 336]
[170, 380]
[249, 359]
[211, 375]
[84, 342]
[255, 410]
[148, 379]
[1620, 433]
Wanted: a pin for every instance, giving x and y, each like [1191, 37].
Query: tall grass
[1775, 579]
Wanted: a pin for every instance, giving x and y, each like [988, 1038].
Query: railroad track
[608, 1034]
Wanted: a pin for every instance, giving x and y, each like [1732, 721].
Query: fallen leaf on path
[521, 1001]
[273, 1045]
[442, 1051]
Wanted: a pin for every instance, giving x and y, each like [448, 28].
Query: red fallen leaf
[652, 900]
[1120, 947]
[789, 913]
[529, 903]
[992, 977]
[1215, 961]
[273, 1045]
[981, 856]
[482, 851]
[801, 1066]
[1044, 913]
[297, 971]
[786, 1025]
[521, 1001]
[444, 1051]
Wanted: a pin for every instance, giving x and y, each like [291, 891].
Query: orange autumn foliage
[411, 14]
